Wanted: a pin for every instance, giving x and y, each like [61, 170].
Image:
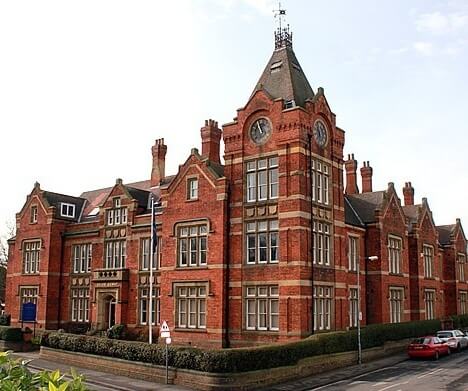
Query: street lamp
[371, 258]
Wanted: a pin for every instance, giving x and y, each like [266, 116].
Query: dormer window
[33, 216]
[67, 210]
[289, 104]
[117, 215]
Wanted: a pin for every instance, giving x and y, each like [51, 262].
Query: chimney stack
[351, 179]
[408, 194]
[211, 136]
[366, 177]
[158, 170]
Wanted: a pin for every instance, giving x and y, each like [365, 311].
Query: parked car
[428, 347]
[454, 338]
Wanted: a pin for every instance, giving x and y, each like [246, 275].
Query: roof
[364, 205]
[412, 212]
[445, 233]
[56, 199]
[283, 78]
[138, 190]
[351, 216]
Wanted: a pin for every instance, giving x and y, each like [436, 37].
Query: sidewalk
[98, 381]
[315, 381]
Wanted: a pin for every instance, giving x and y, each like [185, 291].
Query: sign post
[166, 334]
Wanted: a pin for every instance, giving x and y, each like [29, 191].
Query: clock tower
[284, 163]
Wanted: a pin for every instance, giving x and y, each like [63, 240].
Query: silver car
[455, 339]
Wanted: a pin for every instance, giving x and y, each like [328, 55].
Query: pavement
[95, 380]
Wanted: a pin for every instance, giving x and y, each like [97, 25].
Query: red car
[428, 347]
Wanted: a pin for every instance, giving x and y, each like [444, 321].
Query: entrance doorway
[110, 311]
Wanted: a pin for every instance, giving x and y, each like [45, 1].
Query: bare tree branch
[10, 228]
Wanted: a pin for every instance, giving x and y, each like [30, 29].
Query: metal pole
[167, 365]
[150, 309]
[359, 311]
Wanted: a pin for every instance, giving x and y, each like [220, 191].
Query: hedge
[460, 321]
[12, 334]
[241, 359]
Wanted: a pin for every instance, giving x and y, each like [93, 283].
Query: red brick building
[263, 248]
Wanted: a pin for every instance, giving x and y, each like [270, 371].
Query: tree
[10, 231]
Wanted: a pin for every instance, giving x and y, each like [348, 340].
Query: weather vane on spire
[283, 37]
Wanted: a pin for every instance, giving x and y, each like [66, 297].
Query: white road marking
[378, 384]
[393, 385]
[429, 373]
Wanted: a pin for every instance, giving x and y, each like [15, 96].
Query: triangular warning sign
[164, 327]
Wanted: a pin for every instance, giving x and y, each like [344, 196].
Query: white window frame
[396, 297]
[262, 242]
[116, 253]
[82, 257]
[428, 258]
[80, 304]
[143, 305]
[261, 307]
[31, 256]
[429, 303]
[463, 302]
[323, 307]
[262, 179]
[353, 307]
[191, 306]
[67, 209]
[192, 188]
[192, 245]
[322, 243]
[33, 216]
[353, 253]
[395, 248]
[320, 182]
[461, 261]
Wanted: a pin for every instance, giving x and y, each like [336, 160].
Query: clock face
[260, 130]
[320, 133]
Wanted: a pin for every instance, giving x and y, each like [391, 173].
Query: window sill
[322, 266]
[262, 202]
[80, 274]
[204, 267]
[260, 332]
[30, 274]
[395, 274]
[148, 271]
[192, 200]
[190, 330]
[252, 265]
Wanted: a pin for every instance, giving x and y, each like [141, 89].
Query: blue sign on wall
[29, 312]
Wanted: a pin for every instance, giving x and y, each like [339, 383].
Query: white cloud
[425, 48]
[439, 23]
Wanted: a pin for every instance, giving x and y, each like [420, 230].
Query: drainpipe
[311, 233]
[59, 298]
[227, 276]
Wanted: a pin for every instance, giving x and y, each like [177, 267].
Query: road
[449, 373]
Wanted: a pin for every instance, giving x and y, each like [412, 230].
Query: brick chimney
[158, 171]
[408, 194]
[351, 179]
[366, 176]
[211, 136]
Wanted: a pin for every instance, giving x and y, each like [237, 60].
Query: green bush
[460, 321]
[243, 359]
[5, 319]
[117, 331]
[14, 375]
[11, 334]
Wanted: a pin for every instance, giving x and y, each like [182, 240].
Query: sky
[86, 87]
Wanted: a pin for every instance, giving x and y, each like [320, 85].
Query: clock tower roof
[283, 76]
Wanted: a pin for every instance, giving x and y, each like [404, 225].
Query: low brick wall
[16, 346]
[215, 381]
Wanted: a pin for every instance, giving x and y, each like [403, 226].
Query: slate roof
[364, 205]
[445, 232]
[351, 215]
[283, 78]
[55, 199]
[412, 212]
